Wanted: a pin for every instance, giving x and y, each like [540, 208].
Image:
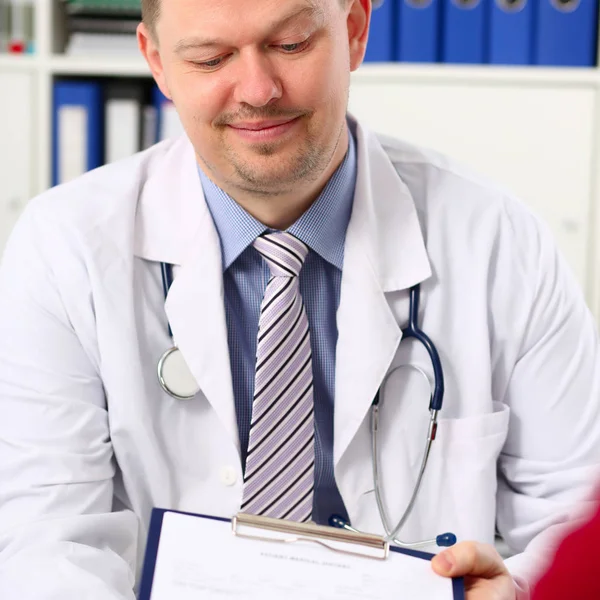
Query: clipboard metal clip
[337, 540]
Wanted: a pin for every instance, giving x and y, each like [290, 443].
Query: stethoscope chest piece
[175, 376]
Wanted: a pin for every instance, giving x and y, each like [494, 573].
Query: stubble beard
[279, 174]
[306, 164]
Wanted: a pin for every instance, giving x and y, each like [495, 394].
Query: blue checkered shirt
[245, 275]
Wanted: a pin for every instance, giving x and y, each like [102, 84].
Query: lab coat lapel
[174, 225]
[384, 252]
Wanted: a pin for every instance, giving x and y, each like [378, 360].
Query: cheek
[317, 85]
[199, 98]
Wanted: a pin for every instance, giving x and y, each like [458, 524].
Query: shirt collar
[322, 227]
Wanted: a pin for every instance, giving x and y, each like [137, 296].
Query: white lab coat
[89, 442]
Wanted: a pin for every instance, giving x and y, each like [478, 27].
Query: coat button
[228, 476]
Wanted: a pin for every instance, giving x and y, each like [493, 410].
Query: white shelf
[474, 74]
[129, 66]
[16, 62]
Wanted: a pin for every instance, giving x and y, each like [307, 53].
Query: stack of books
[99, 121]
[102, 27]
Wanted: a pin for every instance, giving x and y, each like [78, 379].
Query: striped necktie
[279, 476]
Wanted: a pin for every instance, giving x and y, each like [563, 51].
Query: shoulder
[449, 194]
[484, 226]
[95, 210]
[431, 174]
[110, 190]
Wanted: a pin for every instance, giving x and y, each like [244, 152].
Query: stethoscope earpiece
[446, 539]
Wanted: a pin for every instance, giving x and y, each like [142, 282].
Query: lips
[265, 131]
[261, 125]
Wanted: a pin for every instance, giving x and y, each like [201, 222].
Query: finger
[469, 558]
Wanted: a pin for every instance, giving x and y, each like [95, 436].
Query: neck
[280, 211]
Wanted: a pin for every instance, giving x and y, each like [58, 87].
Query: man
[294, 235]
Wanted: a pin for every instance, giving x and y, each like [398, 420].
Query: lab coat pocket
[459, 485]
[462, 482]
[471, 428]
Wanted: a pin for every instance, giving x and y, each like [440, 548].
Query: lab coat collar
[171, 205]
[175, 226]
[172, 208]
[384, 219]
[384, 252]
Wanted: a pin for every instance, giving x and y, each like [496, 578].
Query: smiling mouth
[262, 125]
[265, 131]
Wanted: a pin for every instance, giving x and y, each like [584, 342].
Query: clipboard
[257, 528]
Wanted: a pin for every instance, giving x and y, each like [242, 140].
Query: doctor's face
[261, 86]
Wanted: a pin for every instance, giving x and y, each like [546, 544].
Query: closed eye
[211, 64]
[293, 48]
[215, 62]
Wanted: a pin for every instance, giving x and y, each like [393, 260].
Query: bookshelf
[535, 130]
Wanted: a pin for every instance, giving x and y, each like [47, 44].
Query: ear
[148, 45]
[359, 18]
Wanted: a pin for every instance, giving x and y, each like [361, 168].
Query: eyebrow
[311, 10]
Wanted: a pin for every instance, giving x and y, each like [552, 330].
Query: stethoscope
[174, 375]
[412, 330]
[176, 380]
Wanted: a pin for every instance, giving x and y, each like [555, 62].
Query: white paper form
[200, 559]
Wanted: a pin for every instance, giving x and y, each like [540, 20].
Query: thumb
[469, 558]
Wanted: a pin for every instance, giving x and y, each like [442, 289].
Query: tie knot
[283, 252]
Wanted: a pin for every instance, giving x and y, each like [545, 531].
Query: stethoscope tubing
[413, 330]
[435, 405]
[392, 533]
[166, 271]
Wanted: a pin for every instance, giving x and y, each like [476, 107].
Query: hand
[486, 577]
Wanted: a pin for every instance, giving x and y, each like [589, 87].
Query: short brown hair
[150, 11]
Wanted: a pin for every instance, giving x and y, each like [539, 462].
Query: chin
[266, 182]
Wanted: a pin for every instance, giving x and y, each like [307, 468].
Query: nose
[258, 83]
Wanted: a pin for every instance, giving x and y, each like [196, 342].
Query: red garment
[574, 571]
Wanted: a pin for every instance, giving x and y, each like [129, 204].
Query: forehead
[209, 13]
